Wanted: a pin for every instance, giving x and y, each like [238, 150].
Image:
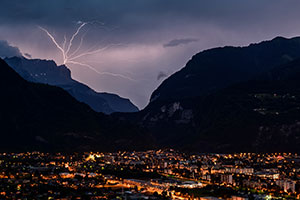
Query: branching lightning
[70, 57]
[74, 36]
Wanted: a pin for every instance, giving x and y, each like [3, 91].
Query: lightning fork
[72, 57]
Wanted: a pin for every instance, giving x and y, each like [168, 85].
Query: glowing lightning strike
[79, 46]
[70, 57]
[65, 42]
[74, 35]
[56, 44]
[93, 52]
[101, 73]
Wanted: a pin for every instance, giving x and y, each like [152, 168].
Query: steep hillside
[258, 115]
[218, 68]
[42, 117]
[43, 71]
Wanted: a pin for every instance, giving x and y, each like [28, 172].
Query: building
[227, 179]
[287, 185]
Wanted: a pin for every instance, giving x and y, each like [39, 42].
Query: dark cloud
[6, 50]
[178, 42]
[161, 75]
[27, 55]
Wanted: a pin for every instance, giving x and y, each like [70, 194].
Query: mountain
[45, 71]
[37, 116]
[230, 99]
[218, 68]
[260, 115]
[255, 106]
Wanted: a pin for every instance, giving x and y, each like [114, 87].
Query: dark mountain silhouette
[260, 115]
[218, 68]
[36, 116]
[252, 106]
[230, 99]
[44, 71]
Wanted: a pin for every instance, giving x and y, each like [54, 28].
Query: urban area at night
[150, 99]
[161, 174]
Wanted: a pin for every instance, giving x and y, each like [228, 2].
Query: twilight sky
[144, 41]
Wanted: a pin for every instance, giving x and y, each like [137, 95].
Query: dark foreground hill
[47, 72]
[42, 117]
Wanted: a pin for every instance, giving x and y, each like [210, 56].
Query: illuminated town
[161, 174]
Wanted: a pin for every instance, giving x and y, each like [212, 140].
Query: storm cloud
[6, 50]
[144, 29]
[27, 55]
[178, 42]
[161, 75]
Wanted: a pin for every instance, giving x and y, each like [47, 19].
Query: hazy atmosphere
[141, 42]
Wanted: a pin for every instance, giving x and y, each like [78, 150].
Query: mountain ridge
[237, 116]
[46, 71]
[205, 69]
[259, 113]
[37, 116]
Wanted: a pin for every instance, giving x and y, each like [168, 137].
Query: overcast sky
[145, 40]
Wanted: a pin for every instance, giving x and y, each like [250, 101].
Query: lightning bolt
[65, 42]
[55, 42]
[72, 57]
[101, 73]
[94, 52]
[74, 36]
[79, 46]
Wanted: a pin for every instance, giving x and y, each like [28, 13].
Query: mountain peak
[217, 68]
[42, 117]
[48, 72]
